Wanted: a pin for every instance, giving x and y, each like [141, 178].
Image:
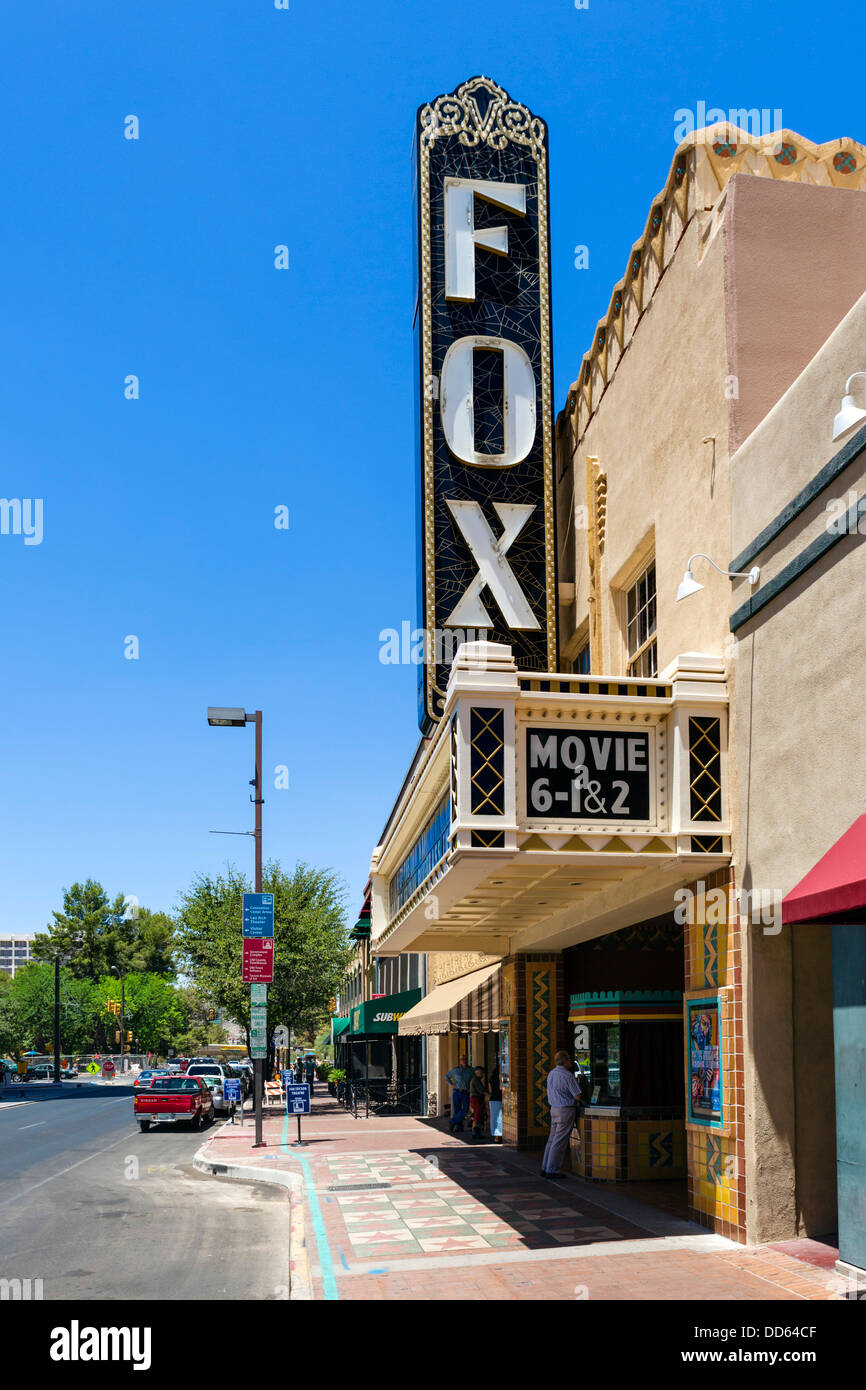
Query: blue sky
[261, 387]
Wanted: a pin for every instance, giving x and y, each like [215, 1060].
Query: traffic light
[117, 1037]
[129, 1037]
[211, 1013]
[113, 1006]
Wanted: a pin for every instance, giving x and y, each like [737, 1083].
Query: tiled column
[716, 1154]
[533, 1002]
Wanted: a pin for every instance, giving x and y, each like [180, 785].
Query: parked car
[217, 1072]
[44, 1071]
[244, 1075]
[145, 1078]
[174, 1100]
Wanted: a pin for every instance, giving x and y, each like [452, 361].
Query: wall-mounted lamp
[849, 414]
[690, 585]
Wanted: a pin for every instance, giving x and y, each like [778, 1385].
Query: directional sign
[258, 960]
[297, 1099]
[258, 914]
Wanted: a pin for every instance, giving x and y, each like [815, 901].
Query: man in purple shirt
[562, 1092]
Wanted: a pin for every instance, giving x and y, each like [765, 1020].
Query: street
[97, 1210]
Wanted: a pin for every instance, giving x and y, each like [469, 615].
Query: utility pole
[257, 782]
[122, 979]
[57, 1076]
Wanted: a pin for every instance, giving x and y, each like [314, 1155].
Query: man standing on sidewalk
[459, 1078]
[562, 1092]
[478, 1102]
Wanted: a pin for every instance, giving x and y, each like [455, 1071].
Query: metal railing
[381, 1097]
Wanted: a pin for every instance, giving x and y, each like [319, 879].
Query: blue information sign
[297, 1099]
[232, 1091]
[287, 1077]
[258, 915]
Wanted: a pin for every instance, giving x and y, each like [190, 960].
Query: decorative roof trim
[699, 173]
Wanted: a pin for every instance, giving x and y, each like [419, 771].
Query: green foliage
[310, 946]
[198, 1030]
[154, 948]
[93, 935]
[32, 1000]
[154, 1010]
[336, 1074]
[10, 1025]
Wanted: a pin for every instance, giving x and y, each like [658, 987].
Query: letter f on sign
[461, 236]
[494, 570]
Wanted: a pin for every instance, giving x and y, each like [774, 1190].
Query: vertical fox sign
[487, 507]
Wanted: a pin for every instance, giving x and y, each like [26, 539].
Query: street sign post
[258, 960]
[258, 914]
[298, 1103]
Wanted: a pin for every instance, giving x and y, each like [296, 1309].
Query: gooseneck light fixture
[690, 585]
[849, 413]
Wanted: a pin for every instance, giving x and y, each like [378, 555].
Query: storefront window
[604, 1063]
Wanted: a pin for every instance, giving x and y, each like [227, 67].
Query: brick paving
[397, 1208]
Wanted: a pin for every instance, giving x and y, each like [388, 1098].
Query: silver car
[215, 1074]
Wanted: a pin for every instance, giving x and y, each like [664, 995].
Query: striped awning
[469, 1004]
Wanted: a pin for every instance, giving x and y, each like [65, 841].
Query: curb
[300, 1279]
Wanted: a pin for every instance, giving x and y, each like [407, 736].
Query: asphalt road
[98, 1210]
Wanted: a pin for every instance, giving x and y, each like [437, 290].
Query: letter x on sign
[494, 570]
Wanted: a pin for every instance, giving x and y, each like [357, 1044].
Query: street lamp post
[235, 719]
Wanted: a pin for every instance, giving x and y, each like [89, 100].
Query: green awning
[382, 1015]
[338, 1026]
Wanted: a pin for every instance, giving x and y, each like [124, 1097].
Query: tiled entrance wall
[638, 1148]
[533, 1001]
[715, 1157]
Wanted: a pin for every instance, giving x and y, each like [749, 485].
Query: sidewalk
[395, 1208]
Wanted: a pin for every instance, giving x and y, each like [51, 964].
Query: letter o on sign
[573, 752]
[457, 402]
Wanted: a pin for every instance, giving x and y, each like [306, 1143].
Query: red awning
[836, 884]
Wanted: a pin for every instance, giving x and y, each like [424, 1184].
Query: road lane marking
[35, 1124]
[96, 1154]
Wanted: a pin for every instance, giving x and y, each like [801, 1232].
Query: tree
[32, 999]
[91, 934]
[154, 943]
[154, 1010]
[311, 949]
[10, 1023]
[198, 1030]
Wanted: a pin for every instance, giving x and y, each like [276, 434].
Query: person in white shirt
[562, 1092]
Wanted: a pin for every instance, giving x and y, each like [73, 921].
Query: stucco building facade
[617, 919]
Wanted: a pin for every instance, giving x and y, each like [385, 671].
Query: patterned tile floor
[440, 1204]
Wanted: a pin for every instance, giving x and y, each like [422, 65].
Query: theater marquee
[487, 503]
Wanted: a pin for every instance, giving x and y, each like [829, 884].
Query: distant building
[15, 951]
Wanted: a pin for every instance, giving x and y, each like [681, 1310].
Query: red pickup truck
[171, 1100]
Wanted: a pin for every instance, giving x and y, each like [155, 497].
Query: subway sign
[589, 774]
[487, 507]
